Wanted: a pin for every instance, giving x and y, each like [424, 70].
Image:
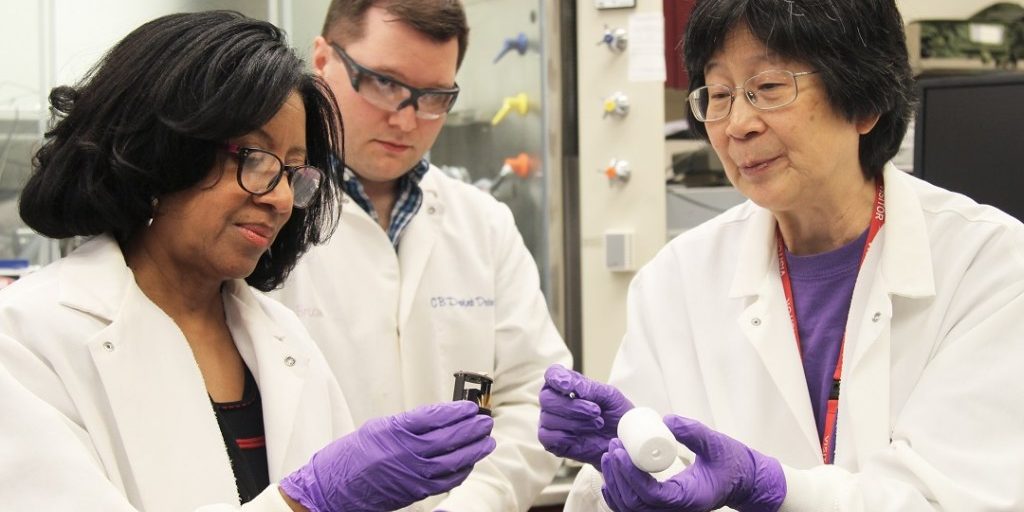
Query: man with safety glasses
[426, 276]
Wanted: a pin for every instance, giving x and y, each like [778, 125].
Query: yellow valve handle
[520, 102]
[506, 107]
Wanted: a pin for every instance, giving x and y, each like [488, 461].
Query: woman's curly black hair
[148, 119]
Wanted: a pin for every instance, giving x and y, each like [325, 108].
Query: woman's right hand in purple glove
[578, 416]
[395, 461]
[726, 473]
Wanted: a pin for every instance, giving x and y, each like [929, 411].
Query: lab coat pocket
[465, 335]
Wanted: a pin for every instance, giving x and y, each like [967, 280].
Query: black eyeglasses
[259, 171]
[389, 94]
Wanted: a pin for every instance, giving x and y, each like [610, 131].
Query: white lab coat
[931, 414]
[104, 405]
[462, 293]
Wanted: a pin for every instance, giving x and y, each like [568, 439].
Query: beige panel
[637, 206]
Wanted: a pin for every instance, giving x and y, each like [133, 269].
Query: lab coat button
[289, 361]
[431, 210]
[876, 317]
[755, 321]
[108, 346]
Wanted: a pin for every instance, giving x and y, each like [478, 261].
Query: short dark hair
[440, 20]
[148, 120]
[857, 46]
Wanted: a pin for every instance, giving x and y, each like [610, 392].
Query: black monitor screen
[969, 137]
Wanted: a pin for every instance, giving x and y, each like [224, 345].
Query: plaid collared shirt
[410, 197]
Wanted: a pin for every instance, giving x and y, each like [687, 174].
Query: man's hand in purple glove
[578, 416]
[395, 461]
[726, 473]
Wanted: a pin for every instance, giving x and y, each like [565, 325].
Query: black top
[241, 424]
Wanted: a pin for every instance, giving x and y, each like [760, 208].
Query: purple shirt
[822, 291]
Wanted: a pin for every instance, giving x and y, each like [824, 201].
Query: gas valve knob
[616, 39]
[616, 105]
[618, 171]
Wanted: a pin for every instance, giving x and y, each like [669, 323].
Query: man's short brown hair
[440, 20]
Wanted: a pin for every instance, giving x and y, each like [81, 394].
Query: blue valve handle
[518, 43]
[614, 39]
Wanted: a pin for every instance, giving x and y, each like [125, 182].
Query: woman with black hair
[142, 371]
[849, 339]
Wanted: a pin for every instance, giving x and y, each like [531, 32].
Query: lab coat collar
[159, 403]
[96, 280]
[906, 261]
[906, 252]
[94, 277]
[271, 357]
[765, 321]
[144, 365]
[417, 242]
[757, 259]
[898, 263]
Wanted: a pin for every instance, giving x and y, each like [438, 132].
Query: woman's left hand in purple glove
[726, 474]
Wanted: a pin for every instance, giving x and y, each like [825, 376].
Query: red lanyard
[877, 219]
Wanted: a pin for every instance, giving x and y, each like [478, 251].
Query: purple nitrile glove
[726, 474]
[578, 426]
[395, 461]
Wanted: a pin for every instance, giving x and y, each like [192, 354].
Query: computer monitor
[969, 137]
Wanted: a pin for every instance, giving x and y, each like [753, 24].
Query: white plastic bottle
[649, 443]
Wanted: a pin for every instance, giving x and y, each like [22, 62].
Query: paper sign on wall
[647, 47]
